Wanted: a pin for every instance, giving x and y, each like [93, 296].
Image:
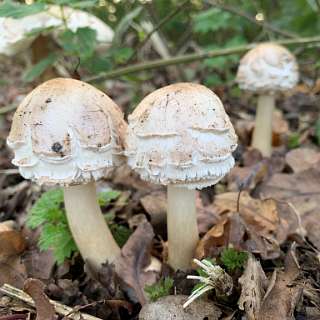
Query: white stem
[88, 226]
[182, 227]
[262, 135]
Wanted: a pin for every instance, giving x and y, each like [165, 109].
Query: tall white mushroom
[267, 69]
[181, 136]
[68, 133]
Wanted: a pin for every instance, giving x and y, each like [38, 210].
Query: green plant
[233, 259]
[49, 213]
[294, 141]
[211, 277]
[160, 289]
[317, 131]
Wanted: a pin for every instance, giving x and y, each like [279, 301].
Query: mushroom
[181, 136]
[68, 133]
[14, 36]
[266, 69]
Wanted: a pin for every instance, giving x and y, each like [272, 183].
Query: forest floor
[267, 207]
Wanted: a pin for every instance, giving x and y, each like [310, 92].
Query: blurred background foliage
[182, 27]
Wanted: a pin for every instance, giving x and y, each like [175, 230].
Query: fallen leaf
[135, 256]
[302, 159]
[279, 128]
[39, 264]
[302, 190]
[35, 289]
[253, 286]
[281, 299]
[11, 241]
[155, 204]
[12, 244]
[246, 178]
[259, 227]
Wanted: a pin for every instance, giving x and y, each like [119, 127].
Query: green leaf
[317, 131]
[160, 289]
[81, 43]
[57, 238]
[40, 67]
[17, 10]
[105, 197]
[48, 208]
[233, 259]
[124, 24]
[211, 20]
[120, 233]
[294, 141]
[122, 55]
[83, 4]
[97, 64]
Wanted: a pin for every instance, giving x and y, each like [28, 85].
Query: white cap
[14, 36]
[66, 132]
[267, 68]
[181, 135]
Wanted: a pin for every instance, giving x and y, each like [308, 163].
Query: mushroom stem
[88, 227]
[182, 226]
[262, 135]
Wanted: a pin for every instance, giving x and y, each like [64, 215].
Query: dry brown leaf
[253, 285]
[155, 204]
[35, 289]
[279, 128]
[135, 256]
[302, 159]
[281, 299]
[302, 190]
[214, 238]
[247, 178]
[229, 230]
[261, 221]
[12, 244]
[11, 241]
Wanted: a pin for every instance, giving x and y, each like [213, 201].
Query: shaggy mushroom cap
[267, 68]
[66, 132]
[181, 135]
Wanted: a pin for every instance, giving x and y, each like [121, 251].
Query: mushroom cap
[267, 68]
[14, 36]
[181, 135]
[66, 132]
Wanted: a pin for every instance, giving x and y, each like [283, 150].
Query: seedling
[160, 289]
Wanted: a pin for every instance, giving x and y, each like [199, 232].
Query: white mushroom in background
[181, 136]
[267, 69]
[14, 32]
[68, 133]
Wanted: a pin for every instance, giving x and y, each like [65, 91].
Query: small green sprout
[233, 259]
[160, 289]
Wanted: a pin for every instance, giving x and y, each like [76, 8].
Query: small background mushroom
[266, 70]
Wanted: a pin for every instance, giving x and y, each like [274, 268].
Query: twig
[9, 172]
[159, 26]
[191, 57]
[8, 108]
[246, 16]
[59, 308]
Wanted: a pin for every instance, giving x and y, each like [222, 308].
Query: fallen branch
[59, 308]
[191, 57]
